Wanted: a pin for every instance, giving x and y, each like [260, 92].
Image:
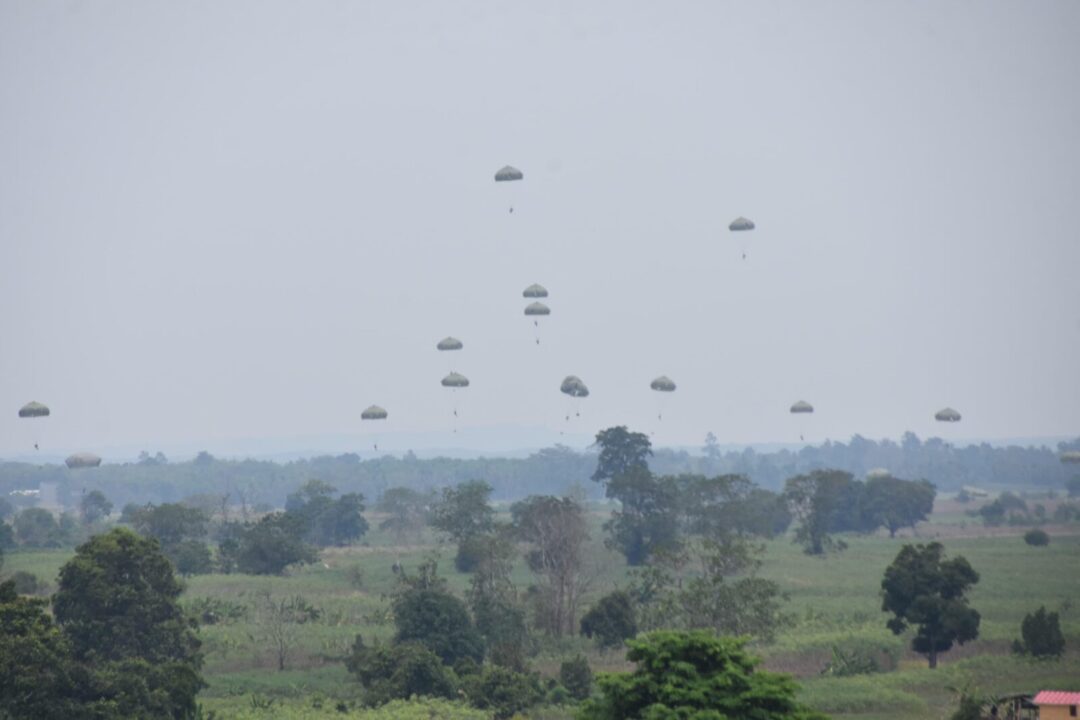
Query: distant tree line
[255, 484]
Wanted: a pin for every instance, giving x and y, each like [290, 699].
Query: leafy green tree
[993, 514]
[117, 600]
[577, 677]
[824, 502]
[610, 621]
[169, 523]
[399, 671]
[272, 544]
[7, 537]
[694, 675]
[464, 513]
[192, 557]
[621, 451]
[895, 503]
[504, 691]
[425, 612]
[499, 616]
[26, 583]
[38, 678]
[36, 527]
[647, 521]
[1042, 636]
[921, 588]
[94, 506]
[762, 513]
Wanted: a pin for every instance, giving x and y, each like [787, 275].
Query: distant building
[1057, 705]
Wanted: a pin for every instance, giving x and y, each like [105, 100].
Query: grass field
[833, 601]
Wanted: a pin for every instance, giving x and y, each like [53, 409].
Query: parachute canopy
[663, 384]
[537, 308]
[741, 223]
[878, 473]
[82, 460]
[1070, 456]
[374, 413]
[572, 386]
[947, 415]
[455, 380]
[535, 291]
[508, 173]
[33, 410]
[449, 343]
[802, 407]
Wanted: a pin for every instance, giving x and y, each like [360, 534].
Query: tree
[399, 671]
[36, 527]
[621, 451]
[94, 506]
[1041, 633]
[1072, 486]
[117, 600]
[895, 503]
[406, 511]
[577, 677]
[272, 544]
[464, 513]
[647, 521]
[694, 675]
[327, 522]
[1037, 538]
[610, 621]
[279, 619]
[493, 599]
[6, 508]
[556, 531]
[169, 523]
[504, 691]
[921, 588]
[824, 502]
[425, 612]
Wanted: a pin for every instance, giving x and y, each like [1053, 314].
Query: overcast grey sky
[230, 220]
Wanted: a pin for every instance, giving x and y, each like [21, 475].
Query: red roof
[1056, 697]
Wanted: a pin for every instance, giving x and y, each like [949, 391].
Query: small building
[1057, 705]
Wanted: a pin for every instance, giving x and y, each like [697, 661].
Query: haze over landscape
[234, 226]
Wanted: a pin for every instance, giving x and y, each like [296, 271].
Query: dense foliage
[694, 675]
[1041, 635]
[923, 589]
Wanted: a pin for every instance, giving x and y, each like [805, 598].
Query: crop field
[833, 603]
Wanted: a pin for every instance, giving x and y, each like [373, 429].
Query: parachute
[572, 386]
[374, 412]
[741, 225]
[455, 380]
[947, 415]
[1070, 456]
[535, 291]
[82, 460]
[33, 410]
[508, 173]
[663, 384]
[802, 407]
[536, 308]
[449, 343]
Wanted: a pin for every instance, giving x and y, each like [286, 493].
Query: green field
[833, 602]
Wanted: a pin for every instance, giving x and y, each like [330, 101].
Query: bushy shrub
[611, 620]
[576, 676]
[503, 691]
[25, 583]
[391, 672]
[1036, 538]
[1042, 637]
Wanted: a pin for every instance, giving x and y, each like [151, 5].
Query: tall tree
[406, 511]
[463, 513]
[647, 520]
[425, 612]
[620, 452]
[921, 588]
[824, 502]
[94, 506]
[556, 531]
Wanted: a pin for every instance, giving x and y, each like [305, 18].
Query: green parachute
[802, 407]
[535, 291]
[33, 410]
[508, 174]
[374, 412]
[449, 343]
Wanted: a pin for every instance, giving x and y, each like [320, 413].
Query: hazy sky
[233, 220]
